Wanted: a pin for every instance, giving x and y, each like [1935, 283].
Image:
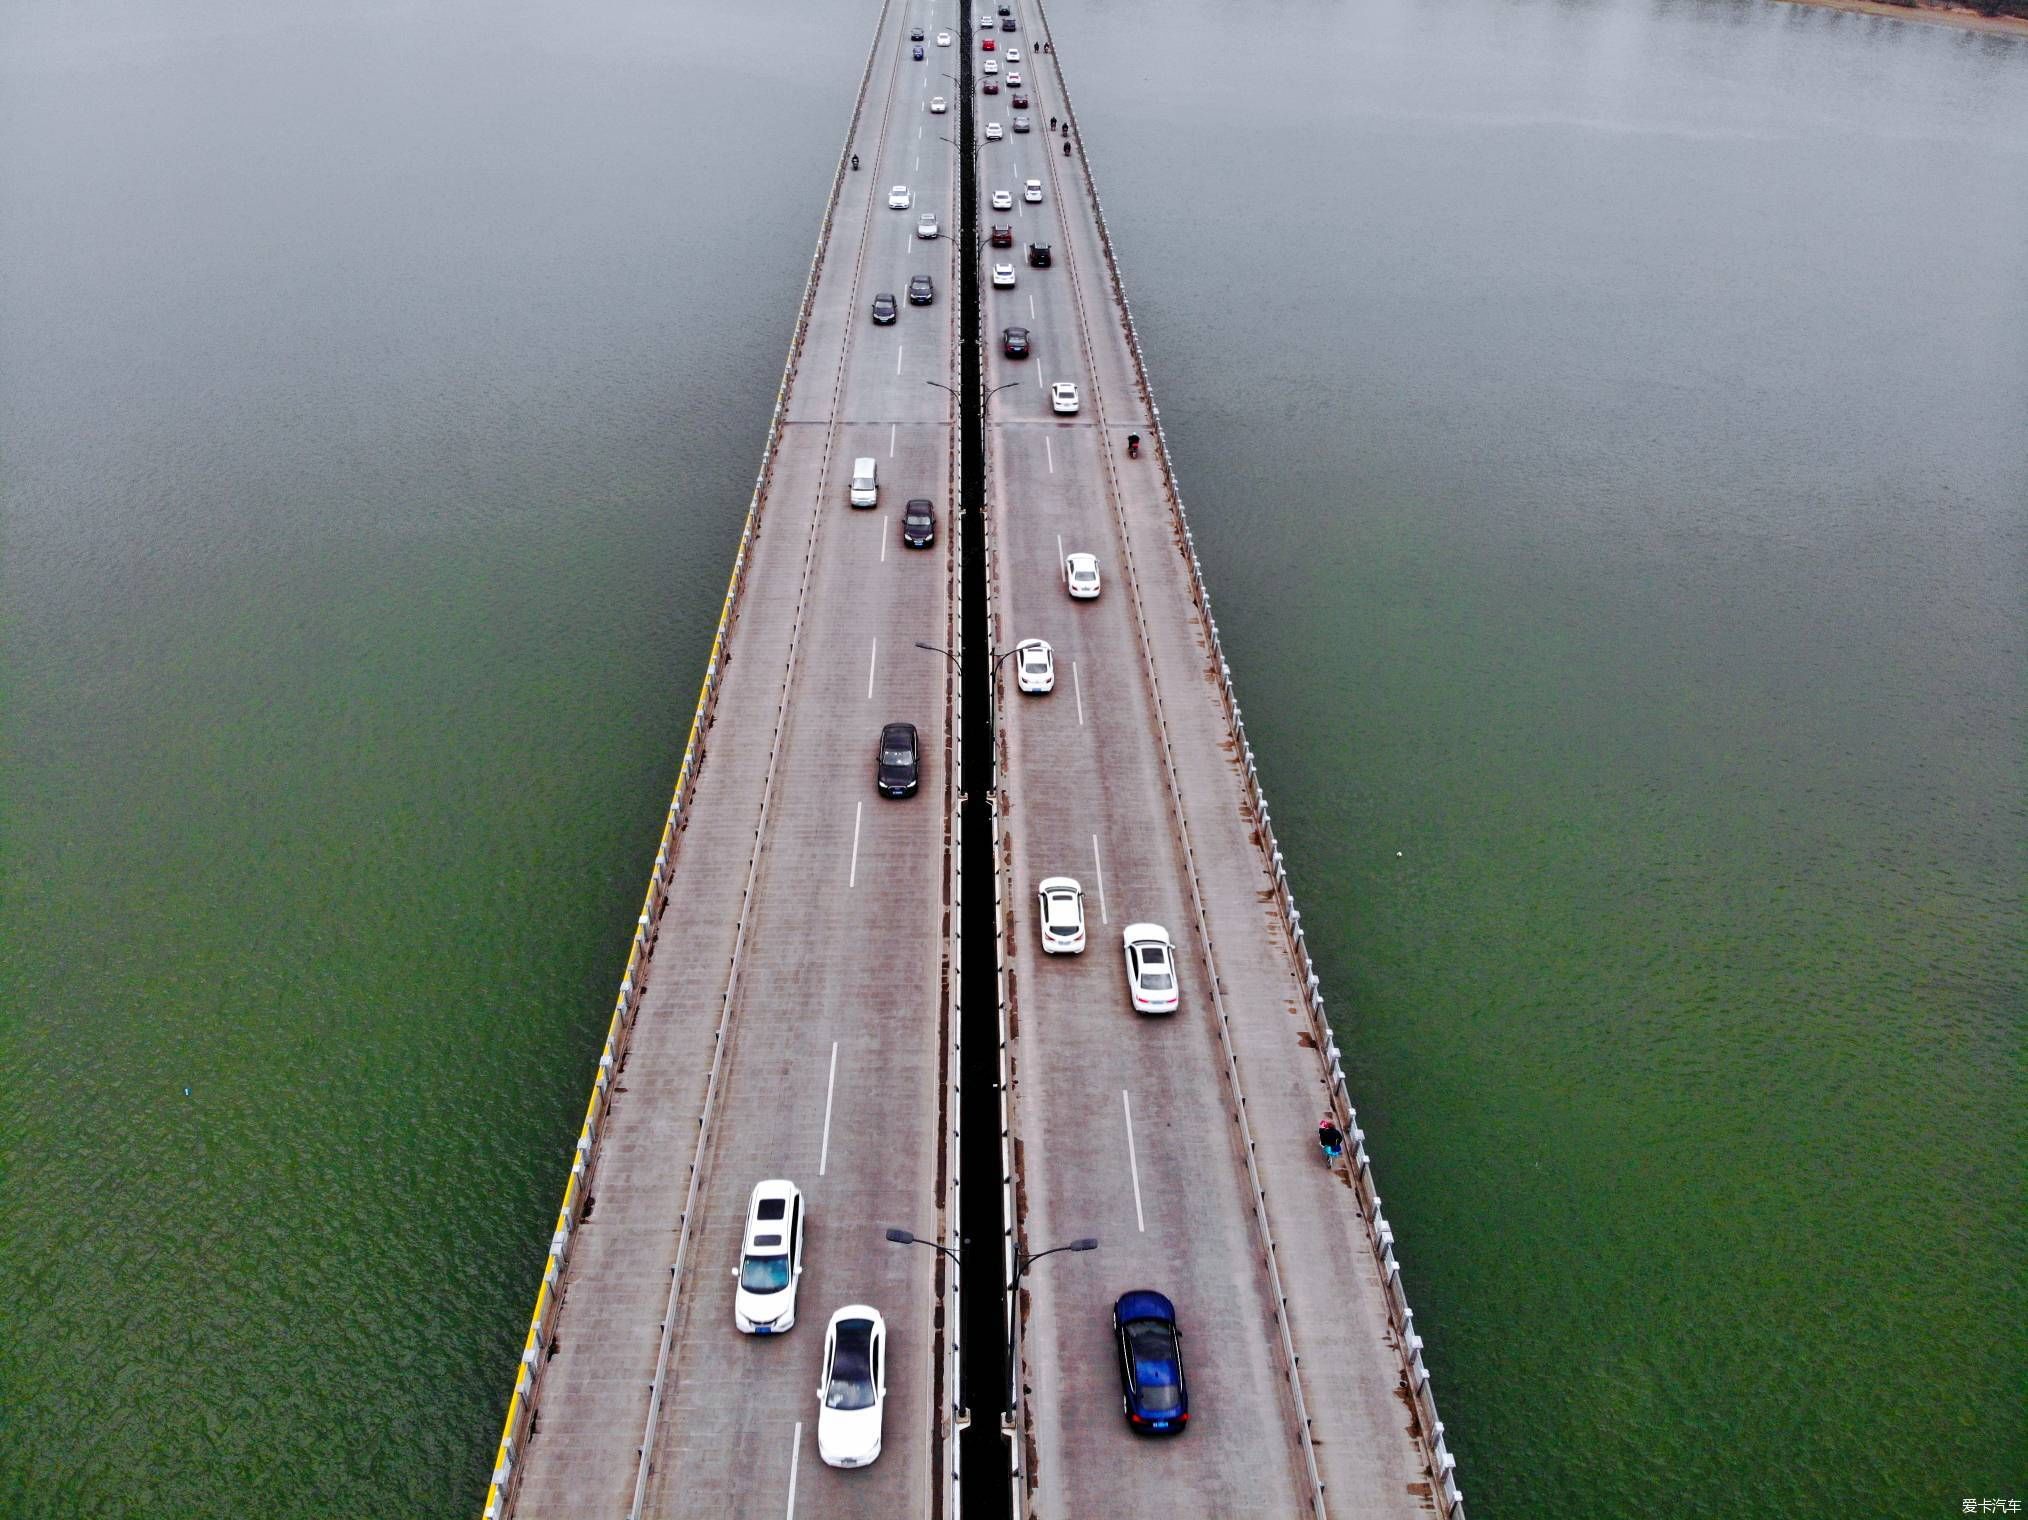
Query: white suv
[770, 1260]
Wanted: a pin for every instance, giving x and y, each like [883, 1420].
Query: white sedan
[1035, 666]
[1003, 200]
[1013, 55]
[854, 1390]
[1013, 75]
[926, 225]
[1031, 192]
[943, 39]
[1081, 576]
[1003, 276]
[990, 66]
[899, 199]
[1060, 912]
[1151, 968]
[1063, 398]
[770, 1260]
[992, 131]
[938, 105]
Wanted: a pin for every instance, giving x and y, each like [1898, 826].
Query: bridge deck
[1089, 794]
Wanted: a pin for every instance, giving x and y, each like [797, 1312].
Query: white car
[1013, 55]
[770, 1261]
[1031, 192]
[937, 105]
[926, 225]
[1060, 912]
[1003, 276]
[990, 66]
[1035, 666]
[992, 131]
[1151, 968]
[943, 39]
[1003, 200]
[1063, 398]
[854, 1390]
[1013, 75]
[1081, 576]
[899, 199]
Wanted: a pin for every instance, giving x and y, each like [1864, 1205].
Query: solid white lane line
[892, 429]
[1077, 681]
[858, 812]
[883, 538]
[830, 1088]
[1099, 867]
[1052, 470]
[872, 661]
[1140, 1219]
[1031, 306]
[1059, 544]
[795, 1451]
[898, 348]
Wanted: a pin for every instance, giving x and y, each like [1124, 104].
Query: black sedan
[1014, 342]
[1150, 1351]
[915, 34]
[1006, 23]
[897, 767]
[884, 309]
[918, 523]
[921, 290]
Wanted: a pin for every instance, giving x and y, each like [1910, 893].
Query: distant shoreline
[1936, 15]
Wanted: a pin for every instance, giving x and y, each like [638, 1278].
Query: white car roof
[773, 1190]
[1137, 933]
[1081, 561]
[1059, 884]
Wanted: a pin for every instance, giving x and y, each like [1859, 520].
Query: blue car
[1152, 1391]
[918, 52]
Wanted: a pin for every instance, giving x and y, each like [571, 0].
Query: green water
[1604, 432]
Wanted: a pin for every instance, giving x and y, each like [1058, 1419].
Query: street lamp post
[902, 1237]
[1022, 1262]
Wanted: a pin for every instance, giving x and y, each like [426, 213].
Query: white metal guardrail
[1415, 1373]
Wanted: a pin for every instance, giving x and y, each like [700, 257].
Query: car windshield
[764, 1274]
[851, 1385]
[1154, 1354]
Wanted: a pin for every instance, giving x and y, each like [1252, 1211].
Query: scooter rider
[1133, 445]
[1330, 1137]
[855, 160]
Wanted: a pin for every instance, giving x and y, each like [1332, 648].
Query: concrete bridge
[848, 990]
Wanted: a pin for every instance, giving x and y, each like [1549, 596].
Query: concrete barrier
[1415, 1374]
[548, 1300]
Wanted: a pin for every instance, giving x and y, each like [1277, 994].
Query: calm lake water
[1604, 427]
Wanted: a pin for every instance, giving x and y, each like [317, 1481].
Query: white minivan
[865, 491]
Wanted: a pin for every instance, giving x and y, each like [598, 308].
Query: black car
[917, 50]
[1019, 103]
[1006, 10]
[1038, 255]
[915, 34]
[897, 767]
[1003, 234]
[1014, 342]
[918, 524]
[1006, 23]
[884, 309]
[921, 290]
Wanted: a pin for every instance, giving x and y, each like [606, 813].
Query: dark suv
[897, 767]
[921, 290]
[918, 523]
[1038, 255]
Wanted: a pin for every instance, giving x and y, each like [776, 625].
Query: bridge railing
[1415, 1372]
[540, 1338]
